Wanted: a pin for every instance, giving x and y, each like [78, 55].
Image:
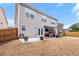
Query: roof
[28, 5]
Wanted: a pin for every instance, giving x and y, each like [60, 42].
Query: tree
[74, 27]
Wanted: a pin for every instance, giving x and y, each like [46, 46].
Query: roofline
[30, 7]
[4, 15]
[16, 13]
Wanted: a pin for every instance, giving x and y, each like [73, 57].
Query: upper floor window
[44, 20]
[52, 23]
[27, 14]
[32, 16]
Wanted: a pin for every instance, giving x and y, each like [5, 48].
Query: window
[32, 16]
[39, 31]
[52, 23]
[27, 14]
[23, 27]
[44, 20]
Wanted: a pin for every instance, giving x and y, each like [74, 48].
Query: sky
[67, 14]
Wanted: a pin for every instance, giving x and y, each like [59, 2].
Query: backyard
[48, 47]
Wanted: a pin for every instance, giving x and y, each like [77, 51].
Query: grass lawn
[48, 47]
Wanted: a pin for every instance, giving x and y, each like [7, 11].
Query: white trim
[18, 19]
[40, 32]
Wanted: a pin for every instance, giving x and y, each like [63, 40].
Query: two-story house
[31, 22]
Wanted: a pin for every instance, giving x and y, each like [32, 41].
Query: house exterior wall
[60, 29]
[3, 20]
[31, 25]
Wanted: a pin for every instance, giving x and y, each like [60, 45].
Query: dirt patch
[48, 47]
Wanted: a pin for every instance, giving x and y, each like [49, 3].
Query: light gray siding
[32, 25]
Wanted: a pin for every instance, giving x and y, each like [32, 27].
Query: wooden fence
[74, 34]
[8, 34]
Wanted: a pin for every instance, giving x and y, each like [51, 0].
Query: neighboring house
[3, 19]
[34, 23]
[60, 27]
[67, 30]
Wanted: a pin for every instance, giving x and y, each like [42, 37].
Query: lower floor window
[40, 31]
[23, 27]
